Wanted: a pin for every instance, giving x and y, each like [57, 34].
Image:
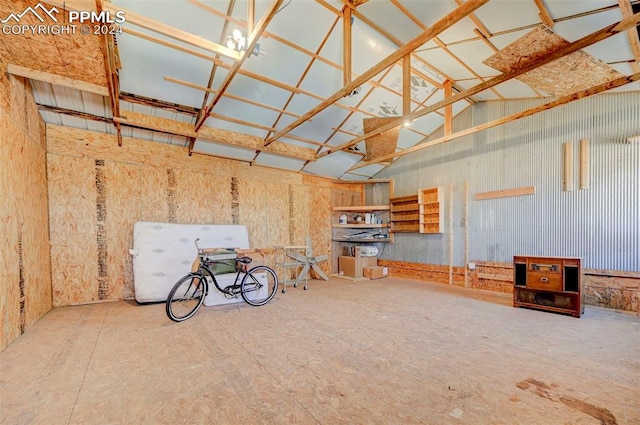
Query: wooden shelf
[431, 210]
[405, 214]
[360, 226]
[362, 208]
[362, 240]
[405, 220]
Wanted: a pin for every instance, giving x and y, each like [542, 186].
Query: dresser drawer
[550, 281]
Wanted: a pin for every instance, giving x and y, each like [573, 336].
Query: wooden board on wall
[505, 193]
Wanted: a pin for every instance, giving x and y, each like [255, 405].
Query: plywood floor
[377, 352]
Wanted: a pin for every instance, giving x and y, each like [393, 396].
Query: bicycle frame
[232, 290]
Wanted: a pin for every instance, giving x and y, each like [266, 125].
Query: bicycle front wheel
[186, 297]
[259, 285]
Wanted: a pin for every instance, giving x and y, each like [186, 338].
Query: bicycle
[257, 287]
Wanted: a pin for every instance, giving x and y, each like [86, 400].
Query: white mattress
[164, 252]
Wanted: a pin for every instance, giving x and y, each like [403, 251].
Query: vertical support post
[450, 234]
[346, 45]
[567, 170]
[584, 164]
[448, 110]
[466, 233]
[406, 85]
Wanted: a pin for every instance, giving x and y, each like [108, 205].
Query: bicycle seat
[244, 260]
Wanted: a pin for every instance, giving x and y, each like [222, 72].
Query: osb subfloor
[388, 351]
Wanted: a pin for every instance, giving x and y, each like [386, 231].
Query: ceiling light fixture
[408, 122]
[237, 41]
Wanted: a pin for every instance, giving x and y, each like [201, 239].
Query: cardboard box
[353, 266]
[375, 272]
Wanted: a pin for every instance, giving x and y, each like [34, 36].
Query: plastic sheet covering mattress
[163, 253]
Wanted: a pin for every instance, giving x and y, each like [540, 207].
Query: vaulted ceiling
[313, 73]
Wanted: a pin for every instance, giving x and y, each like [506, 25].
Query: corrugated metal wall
[601, 224]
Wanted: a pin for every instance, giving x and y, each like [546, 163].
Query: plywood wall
[25, 272]
[99, 190]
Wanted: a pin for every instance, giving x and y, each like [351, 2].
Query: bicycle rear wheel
[259, 285]
[186, 297]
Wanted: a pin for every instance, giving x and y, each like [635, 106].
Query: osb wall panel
[253, 172]
[310, 216]
[201, 198]
[77, 142]
[429, 272]
[4, 80]
[25, 268]
[24, 112]
[9, 259]
[82, 58]
[264, 209]
[619, 292]
[117, 186]
[567, 75]
[320, 224]
[381, 144]
[72, 221]
[32, 205]
[300, 214]
[133, 193]
[492, 276]
[346, 197]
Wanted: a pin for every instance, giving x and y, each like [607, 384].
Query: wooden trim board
[505, 193]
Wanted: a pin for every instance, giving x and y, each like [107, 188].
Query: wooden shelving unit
[431, 209]
[381, 213]
[405, 214]
[342, 235]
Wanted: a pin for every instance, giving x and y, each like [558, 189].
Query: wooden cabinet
[405, 214]
[548, 283]
[431, 205]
